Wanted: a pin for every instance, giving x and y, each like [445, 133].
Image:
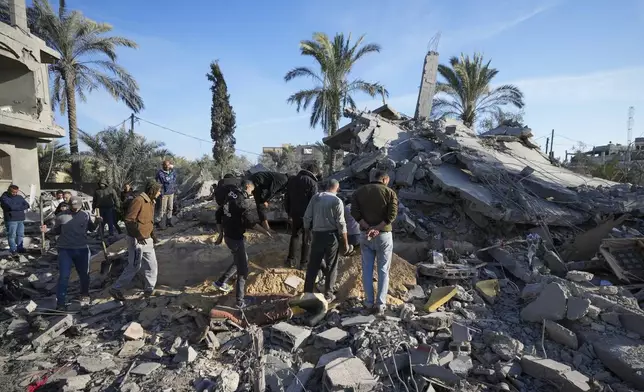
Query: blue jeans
[15, 234]
[108, 214]
[379, 250]
[79, 258]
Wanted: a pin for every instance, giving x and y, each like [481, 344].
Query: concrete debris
[76, 383]
[146, 368]
[579, 276]
[503, 345]
[130, 348]
[133, 331]
[56, 328]
[358, 320]
[289, 336]
[578, 308]
[347, 374]
[550, 305]
[185, 354]
[561, 375]
[561, 334]
[95, 364]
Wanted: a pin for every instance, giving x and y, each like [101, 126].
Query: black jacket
[223, 189]
[106, 198]
[267, 185]
[299, 191]
[237, 214]
[13, 207]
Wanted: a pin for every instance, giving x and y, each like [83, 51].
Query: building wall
[18, 162]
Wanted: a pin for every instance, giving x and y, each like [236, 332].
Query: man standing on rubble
[13, 208]
[236, 215]
[226, 185]
[139, 223]
[167, 177]
[324, 216]
[71, 227]
[375, 206]
[267, 185]
[107, 202]
[299, 191]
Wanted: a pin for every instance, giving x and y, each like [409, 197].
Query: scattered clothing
[299, 191]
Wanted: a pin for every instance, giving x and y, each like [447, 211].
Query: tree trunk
[331, 161]
[70, 93]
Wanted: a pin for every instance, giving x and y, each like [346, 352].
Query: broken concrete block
[95, 364]
[503, 345]
[348, 374]
[488, 289]
[288, 336]
[185, 354]
[561, 334]
[611, 318]
[550, 305]
[460, 333]
[328, 357]
[278, 373]
[577, 308]
[437, 372]
[130, 348]
[531, 291]
[104, 307]
[405, 222]
[134, 331]
[153, 353]
[593, 312]
[228, 381]
[17, 327]
[632, 322]
[331, 337]
[56, 328]
[420, 174]
[444, 358]
[579, 276]
[561, 375]
[435, 321]
[303, 375]
[623, 357]
[608, 290]
[293, 281]
[146, 368]
[405, 174]
[358, 320]
[461, 365]
[554, 262]
[22, 309]
[76, 383]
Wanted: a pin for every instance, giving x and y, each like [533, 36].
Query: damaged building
[26, 116]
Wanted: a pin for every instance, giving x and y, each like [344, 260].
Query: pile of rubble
[489, 182]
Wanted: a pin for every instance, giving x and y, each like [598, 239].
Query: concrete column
[18, 14]
[427, 86]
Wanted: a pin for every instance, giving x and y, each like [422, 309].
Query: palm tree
[122, 156]
[468, 90]
[52, 158]
[333, 91]
[87, 62]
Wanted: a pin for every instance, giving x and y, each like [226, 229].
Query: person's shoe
[368, 309]
[242, 304]
[303, 267]
[329, 297]
[162, 225]
[169, 223]
[148, 294]
[117, 294]
[379, 310]
[223, 287]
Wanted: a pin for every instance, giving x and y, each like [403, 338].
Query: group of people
[324, 228]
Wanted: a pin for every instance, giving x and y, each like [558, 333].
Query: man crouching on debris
[72, 226]
[324, 216]
[237, 216]
[267, 185]
[139, 223]
[374, 206]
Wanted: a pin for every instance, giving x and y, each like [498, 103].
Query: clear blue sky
[579, 63]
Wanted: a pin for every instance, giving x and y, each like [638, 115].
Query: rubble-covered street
[510, 274]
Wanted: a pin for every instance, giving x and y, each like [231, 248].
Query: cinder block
[348, 374]
[289, 336]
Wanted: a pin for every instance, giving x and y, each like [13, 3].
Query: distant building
[614, 152]
[303, 153]
[26, 116]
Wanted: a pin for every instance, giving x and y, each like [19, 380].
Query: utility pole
[547, 141]
[552, 144]
[132, 123]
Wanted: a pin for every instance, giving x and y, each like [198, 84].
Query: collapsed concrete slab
[624, 357]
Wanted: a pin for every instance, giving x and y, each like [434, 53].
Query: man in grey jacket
[324, 217]
[72, 226]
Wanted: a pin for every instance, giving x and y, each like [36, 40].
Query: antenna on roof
[432, 46]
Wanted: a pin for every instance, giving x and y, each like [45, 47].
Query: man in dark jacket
[237, 216]
[107, 201]
[299, 191]
[267, 185]
[13, 207]
[167, 177]
[224, 187]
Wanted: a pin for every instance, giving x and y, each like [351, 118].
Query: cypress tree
[222, 117]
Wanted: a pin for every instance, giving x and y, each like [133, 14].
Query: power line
[188, 135]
